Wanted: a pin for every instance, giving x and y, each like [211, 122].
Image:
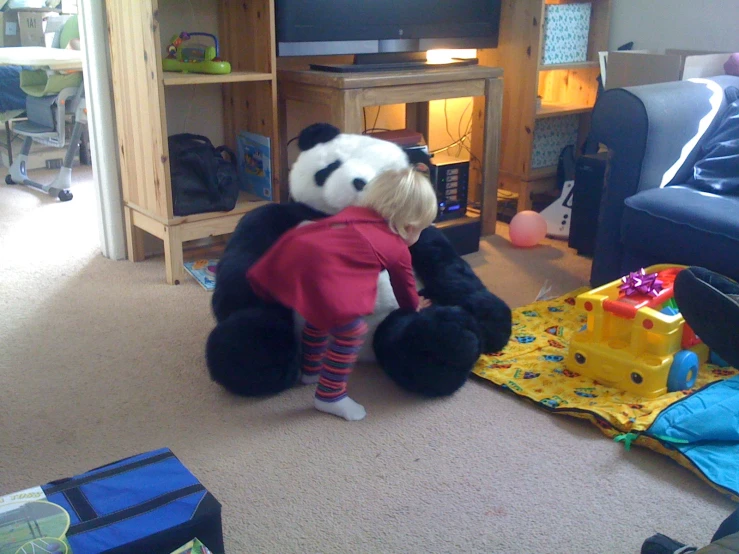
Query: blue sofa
[652, 210]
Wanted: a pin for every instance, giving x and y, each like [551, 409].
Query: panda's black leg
[253, 349]
[254, 352]
[430, 352]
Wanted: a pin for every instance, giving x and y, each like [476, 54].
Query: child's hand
[423, 303]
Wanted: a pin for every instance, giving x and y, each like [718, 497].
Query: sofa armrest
[653, 135]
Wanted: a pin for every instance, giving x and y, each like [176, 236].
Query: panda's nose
[359, 184]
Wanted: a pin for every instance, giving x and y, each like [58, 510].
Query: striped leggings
[334, 361]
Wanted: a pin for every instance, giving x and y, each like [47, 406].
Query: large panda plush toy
[254, 348]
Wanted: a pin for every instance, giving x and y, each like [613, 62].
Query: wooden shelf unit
[247, 40]
[572, 65]
[556, 109]
[170, 78]
[567, 89]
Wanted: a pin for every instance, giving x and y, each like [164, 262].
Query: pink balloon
[527, 229]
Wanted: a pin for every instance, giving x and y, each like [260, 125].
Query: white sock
[307, 379]
[346, 408]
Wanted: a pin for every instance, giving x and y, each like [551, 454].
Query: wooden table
[340, 98]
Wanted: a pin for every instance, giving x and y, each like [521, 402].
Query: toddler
[327, 272]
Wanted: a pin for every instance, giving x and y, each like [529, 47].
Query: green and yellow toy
[194, 58]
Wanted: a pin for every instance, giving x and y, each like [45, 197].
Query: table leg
[348, 112]
[491, 154]
[417, 118]
[283, 189]
[134, 238]
[173, 256]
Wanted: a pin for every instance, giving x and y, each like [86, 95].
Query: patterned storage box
[566, 31]
[550, 136]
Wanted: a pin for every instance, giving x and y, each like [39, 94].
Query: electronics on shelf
[450, 177]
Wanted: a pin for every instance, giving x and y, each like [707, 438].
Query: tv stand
[399, 65]
[306, 97]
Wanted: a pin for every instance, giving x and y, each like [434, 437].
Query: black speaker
[590, 171]
[450, 177]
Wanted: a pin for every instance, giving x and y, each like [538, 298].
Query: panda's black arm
[446, 277]
[260, 228]
[448, 280]
[255, 233]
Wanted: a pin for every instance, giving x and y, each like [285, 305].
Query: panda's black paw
[254, 352]
[494, 318]
[430, 352]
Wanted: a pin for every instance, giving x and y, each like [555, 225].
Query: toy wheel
[9, 180]
[683, 372]
[64, 196]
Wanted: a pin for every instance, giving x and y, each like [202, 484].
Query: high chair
[54, 99]
[47, 123]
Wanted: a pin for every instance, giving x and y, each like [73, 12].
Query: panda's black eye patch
[326, 172]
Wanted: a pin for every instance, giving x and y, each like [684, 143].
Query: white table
[56, 59]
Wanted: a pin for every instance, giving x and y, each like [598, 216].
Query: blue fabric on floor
[709, 421]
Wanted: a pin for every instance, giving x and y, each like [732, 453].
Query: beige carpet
[100, 360]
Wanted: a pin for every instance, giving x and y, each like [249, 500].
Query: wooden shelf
[555, 109]
[172, 78]
[565, 89]
[565, 66]
[245, 203]
[468, 218]
[542, 173]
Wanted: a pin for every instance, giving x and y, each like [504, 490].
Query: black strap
[80, 504]
[71, 483]
[188, 139]
[227, 150]
[133, 511]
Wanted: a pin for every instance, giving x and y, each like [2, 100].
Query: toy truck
[637, 342]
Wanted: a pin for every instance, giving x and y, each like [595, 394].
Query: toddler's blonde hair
[402, 197]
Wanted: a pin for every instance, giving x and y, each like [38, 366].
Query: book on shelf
[255, 164]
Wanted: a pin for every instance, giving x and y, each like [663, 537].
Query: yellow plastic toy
[635, 338]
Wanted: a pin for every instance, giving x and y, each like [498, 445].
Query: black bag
[202, 179]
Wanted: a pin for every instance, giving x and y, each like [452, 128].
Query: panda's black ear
[316, 134]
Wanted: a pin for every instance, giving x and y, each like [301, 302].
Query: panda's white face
[333, 175]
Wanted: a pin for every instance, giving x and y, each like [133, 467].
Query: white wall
[711, 25]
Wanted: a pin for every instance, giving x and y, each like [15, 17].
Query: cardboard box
[628, 69]
[9, 33]
[23, 27]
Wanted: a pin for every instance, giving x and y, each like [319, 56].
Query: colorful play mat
[699, 428]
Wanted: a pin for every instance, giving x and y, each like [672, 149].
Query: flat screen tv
[371, 27]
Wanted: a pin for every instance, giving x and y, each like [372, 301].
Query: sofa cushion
[685, 226]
